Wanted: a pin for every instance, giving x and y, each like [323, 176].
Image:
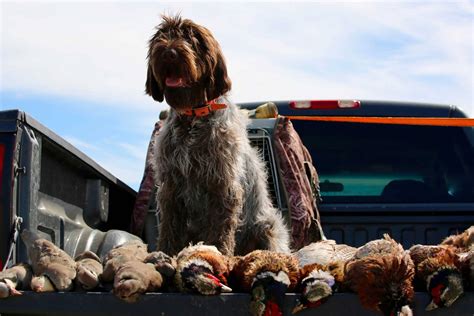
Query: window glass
[365, 163]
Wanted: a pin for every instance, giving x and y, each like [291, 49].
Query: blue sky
[79, 67]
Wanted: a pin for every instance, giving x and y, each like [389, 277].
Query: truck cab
[413, 182]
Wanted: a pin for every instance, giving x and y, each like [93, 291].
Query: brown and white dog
[211, 183]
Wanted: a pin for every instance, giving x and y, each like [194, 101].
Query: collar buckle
[205, 110]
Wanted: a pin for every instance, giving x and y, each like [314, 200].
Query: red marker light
[324, 104]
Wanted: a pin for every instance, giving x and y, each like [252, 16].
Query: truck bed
[153, 304]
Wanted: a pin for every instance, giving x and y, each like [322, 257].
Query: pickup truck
[413, 182]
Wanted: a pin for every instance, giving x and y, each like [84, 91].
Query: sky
[80, 67]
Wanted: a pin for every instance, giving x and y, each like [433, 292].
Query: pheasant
[164, 264]
[463, 241]
[126, 266]
[316, 285]
[15, 278]
[267, 276]
[437, 267]
[466, 260]
[202, 269]
[89, 270]
[464, 248]
[324, 252]
[321, 271]
[116, 257]
[52, 267]
[382, 274]
[134, 278]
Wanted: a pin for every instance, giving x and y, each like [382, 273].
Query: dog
[211, 183]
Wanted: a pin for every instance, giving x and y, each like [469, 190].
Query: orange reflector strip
[430, 121]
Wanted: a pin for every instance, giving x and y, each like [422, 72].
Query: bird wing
[379, 247]
[324, 252]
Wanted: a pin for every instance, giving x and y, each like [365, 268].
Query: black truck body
[66, 197]
[433, 164]
[57, 191]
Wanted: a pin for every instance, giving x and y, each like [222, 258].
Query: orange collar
[206, 109]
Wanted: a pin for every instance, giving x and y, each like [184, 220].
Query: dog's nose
[170, 54]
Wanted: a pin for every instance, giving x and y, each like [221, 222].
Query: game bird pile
[381, 273]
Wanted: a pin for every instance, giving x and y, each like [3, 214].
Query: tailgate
[154, 304]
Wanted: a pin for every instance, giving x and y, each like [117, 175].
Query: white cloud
[91, 51]
[95, 51]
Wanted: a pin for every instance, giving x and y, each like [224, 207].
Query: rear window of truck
[377, 163]
[2, 159]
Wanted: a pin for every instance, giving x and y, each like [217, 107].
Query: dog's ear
[220, 84]
[151, 87]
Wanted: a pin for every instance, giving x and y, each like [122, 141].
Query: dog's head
[185, 64]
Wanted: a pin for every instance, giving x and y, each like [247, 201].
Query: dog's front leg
[221, 229]
[167, 241]
[172, 233]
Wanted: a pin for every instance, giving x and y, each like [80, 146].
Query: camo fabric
[301, 183]
[146, 192]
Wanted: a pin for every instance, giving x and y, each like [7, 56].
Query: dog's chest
[201, 154]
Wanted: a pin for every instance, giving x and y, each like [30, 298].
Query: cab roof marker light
[325, 104]
[349, 104]
[300, 104]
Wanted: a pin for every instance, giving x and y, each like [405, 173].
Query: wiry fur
[212, 183]
[382, 274]
[382, 280]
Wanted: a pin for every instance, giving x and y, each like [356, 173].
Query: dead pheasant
[116, 257]
[164, 264]
[382, 274]
[466, 261]
[316, 285]
[463, 241]
[131, 275]
[202, 269]
[321, 271]
[89, 270]
[267, 276]
[15, 278]
[464, 247]
[53, 268]
[437, 267]
[324, 252]
[134, 278]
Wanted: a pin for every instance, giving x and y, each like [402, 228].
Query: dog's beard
[184, 98]
[181, 83]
